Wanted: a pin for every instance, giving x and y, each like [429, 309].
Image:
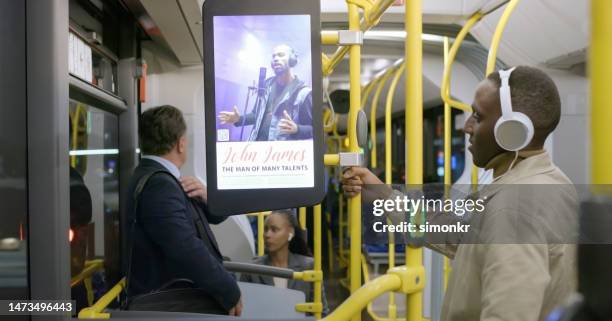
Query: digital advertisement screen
[263, 102]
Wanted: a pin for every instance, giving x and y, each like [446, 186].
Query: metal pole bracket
[349, 37]
[352, 159]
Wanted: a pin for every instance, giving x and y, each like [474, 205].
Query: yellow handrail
[341, 228]
[388, 131]
[407, 280]
[374, 14]
[447, 156]
[499, 30]
[317, 257]
[302, 216]
[260, 234]
[367, 90]
[373, 110]
[75, 133]
[354, 204]
[414, 132]
[360, 298]
[85, 276]
[600, 69]
[445, 88]
[492, 59]
[95, 311]
[260, 230]
[392, 309]
[329, 37]
[90, 268]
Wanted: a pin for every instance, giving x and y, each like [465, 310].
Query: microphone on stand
[260, 89]
[261, 86]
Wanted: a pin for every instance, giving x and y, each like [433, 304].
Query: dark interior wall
[13, 154]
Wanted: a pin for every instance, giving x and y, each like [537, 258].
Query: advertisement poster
[263, 102]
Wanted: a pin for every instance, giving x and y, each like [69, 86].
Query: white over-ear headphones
[513, 130]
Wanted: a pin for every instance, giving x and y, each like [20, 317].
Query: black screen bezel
[239, 201]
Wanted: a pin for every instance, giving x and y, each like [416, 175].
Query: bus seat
[235, 238]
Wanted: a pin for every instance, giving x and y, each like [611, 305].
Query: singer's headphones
[293, 58]
[513, 130]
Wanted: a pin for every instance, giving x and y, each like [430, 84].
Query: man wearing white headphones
[521, 264]
[285, 112]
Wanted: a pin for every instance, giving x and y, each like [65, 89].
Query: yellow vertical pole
[600, 70]
[302, 215]
[341, 226]
[414, 131]
[260, 234]
[75, 133]
[447, 156]
[354, 205]
[392, 308]
[373, 109]
[447, 130]
[317, 255]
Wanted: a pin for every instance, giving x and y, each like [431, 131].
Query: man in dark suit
[167, 242]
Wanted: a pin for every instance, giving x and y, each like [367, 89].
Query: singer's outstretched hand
[286, 125]
[229, 117]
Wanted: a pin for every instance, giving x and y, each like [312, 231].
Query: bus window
[94, 203]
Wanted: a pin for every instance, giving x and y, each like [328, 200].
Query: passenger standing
[493, 279]
[171, 238]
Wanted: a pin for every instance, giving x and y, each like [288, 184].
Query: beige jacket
[514, 282]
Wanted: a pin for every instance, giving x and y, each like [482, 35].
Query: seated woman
[286, 248]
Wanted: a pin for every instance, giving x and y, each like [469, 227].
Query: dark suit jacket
[297, 263]
[165, 240]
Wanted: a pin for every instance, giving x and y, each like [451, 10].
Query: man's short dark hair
[535, 94]
[160, 129]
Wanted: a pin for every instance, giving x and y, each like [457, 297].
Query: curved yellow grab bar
[388, 112]
[367, 90]
[95, 311]
[373, 109]
[499, 30]
[90, 268]
[360, 298]
[445, 89]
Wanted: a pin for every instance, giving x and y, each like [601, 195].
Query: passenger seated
[286, 248]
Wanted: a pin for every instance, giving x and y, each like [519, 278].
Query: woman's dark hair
[298, 244]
